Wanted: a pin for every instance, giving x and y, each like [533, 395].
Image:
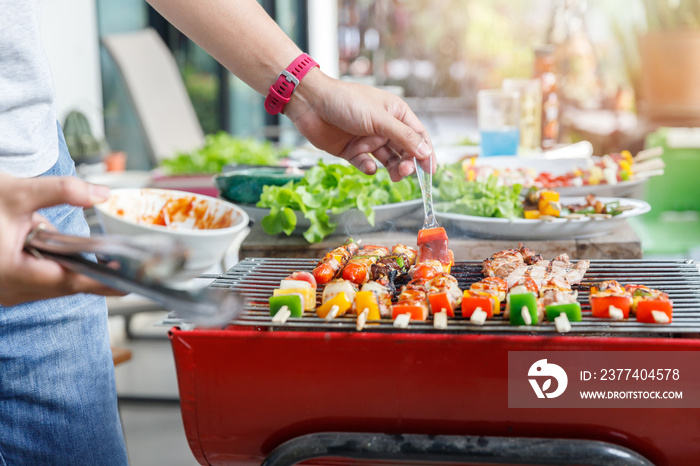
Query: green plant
[82, 144]
[221, 149]
[660, 16]
[672, 15]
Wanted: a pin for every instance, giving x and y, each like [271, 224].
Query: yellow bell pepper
[340, 300]
[550, 208]
[549, 203]
[309, 295]
[532, 214]
[367, 300]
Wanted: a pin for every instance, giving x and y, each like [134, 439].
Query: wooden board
[622, 244]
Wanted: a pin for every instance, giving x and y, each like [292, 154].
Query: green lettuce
[331, 189]
[487, 198]
[221, 149]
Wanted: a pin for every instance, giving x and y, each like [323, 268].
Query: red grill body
[249, 388]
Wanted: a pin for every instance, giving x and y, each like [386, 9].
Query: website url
[631, 395]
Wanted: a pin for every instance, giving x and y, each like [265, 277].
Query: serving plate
[503, 228]
[559, 167]
[353, 221]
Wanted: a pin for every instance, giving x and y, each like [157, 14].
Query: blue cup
[498, 114]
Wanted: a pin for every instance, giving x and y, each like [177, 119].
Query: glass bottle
[544, 71]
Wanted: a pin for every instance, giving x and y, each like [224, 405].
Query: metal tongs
[425, 181]
[137, 265]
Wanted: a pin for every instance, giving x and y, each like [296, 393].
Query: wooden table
[621, 244]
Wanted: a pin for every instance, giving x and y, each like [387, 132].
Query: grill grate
[255, 279]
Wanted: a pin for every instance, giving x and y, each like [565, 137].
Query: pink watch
[281, 91]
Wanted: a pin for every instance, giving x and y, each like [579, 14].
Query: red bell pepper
[645, 308]
[600, 305]
[417, 311]
[475, 298]
[440, 301]
[609, 293]
[433, 245]
[431, 234]
[645, 300]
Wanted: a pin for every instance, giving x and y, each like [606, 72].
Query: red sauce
[435, 250]
[184, 209]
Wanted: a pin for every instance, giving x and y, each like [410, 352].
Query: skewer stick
[660, 317]
[402, 320]
[561, 322]
[615, 313]
[282, 315]
[648, 165]
[362, 319]
[478, 317]
[650, 173]
[333, 312]
[527, 318]
[647, 154]
[440, 319]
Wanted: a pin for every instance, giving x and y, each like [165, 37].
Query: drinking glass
[498, 115]
[530, 110]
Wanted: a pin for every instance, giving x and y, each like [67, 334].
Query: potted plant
[83, 146]
[669, 71]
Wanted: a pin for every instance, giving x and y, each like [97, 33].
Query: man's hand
[24, 277]
[353, 121]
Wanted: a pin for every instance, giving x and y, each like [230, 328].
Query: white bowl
[206, 226]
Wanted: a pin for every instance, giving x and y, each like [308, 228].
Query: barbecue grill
[310, 388]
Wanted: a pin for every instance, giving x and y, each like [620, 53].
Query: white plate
[124, 179]
[503, 228]
[353, 222]
[558, 167]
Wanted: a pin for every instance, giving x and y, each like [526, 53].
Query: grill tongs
[141, 265]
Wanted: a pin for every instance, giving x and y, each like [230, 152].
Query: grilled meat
[358, 268]
[383, 295]
[332, 264]
[409, 253]
[445, 283]
[397, 263]
[335, 287]
[554, 296]
[514, 264]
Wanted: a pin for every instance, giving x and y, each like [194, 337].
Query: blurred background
[436, 53]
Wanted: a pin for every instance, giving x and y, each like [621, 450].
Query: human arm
[24, 277]
[344, 119]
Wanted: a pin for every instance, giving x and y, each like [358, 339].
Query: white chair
[157, 92]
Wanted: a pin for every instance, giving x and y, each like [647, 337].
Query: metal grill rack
[256, 278]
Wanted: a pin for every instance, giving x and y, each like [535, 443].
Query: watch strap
[281, 90]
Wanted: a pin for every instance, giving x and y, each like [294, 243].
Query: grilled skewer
[332, 264]
[359, 267]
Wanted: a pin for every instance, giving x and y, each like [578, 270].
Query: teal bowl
[246, 185]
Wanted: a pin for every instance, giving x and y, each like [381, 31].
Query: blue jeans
[58, 403]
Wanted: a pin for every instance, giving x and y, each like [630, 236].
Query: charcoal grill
[256, 278]
[255, 389]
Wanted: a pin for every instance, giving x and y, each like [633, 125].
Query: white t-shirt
[28, 135]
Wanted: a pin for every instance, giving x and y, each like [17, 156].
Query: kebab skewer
[444, 296]
[332, 264]
[373, 301]
[296, 294]
[358, 268]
